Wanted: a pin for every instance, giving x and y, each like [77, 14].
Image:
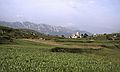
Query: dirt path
[60, 44]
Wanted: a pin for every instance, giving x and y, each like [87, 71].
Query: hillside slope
[8, 34]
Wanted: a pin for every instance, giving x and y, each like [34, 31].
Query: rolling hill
[8, 34]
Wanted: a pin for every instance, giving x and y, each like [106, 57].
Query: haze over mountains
[95, 16]
[42, 28]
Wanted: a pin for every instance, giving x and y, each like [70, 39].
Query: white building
[76, 35]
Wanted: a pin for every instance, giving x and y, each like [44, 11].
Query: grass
[37, 56]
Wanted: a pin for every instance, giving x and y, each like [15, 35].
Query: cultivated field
[60, 55]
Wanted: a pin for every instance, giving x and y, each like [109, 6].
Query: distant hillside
[8, 34]
[19, 33]
[42, 28]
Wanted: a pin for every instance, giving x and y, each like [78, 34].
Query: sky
[95, 16]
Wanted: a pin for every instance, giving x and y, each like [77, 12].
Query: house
[76, 35]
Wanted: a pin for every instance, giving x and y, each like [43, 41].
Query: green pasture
[60, 56]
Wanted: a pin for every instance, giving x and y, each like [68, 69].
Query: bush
[5, 39]
[74, 50]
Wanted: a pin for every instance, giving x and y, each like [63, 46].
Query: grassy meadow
[60, 55]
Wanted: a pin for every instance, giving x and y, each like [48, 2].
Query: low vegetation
[27, 55]
[56, 54]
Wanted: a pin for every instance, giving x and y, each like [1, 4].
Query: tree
[62, 36]
[85, 35]
[82, 35]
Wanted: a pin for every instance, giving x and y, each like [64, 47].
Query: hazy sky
[97, 16]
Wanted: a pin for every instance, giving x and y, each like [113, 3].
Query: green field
[60, 55]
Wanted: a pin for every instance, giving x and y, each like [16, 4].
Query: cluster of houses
[76, 35]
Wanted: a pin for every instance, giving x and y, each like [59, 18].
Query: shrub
[5, 39]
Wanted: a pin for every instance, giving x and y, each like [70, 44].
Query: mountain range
[42, 28]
